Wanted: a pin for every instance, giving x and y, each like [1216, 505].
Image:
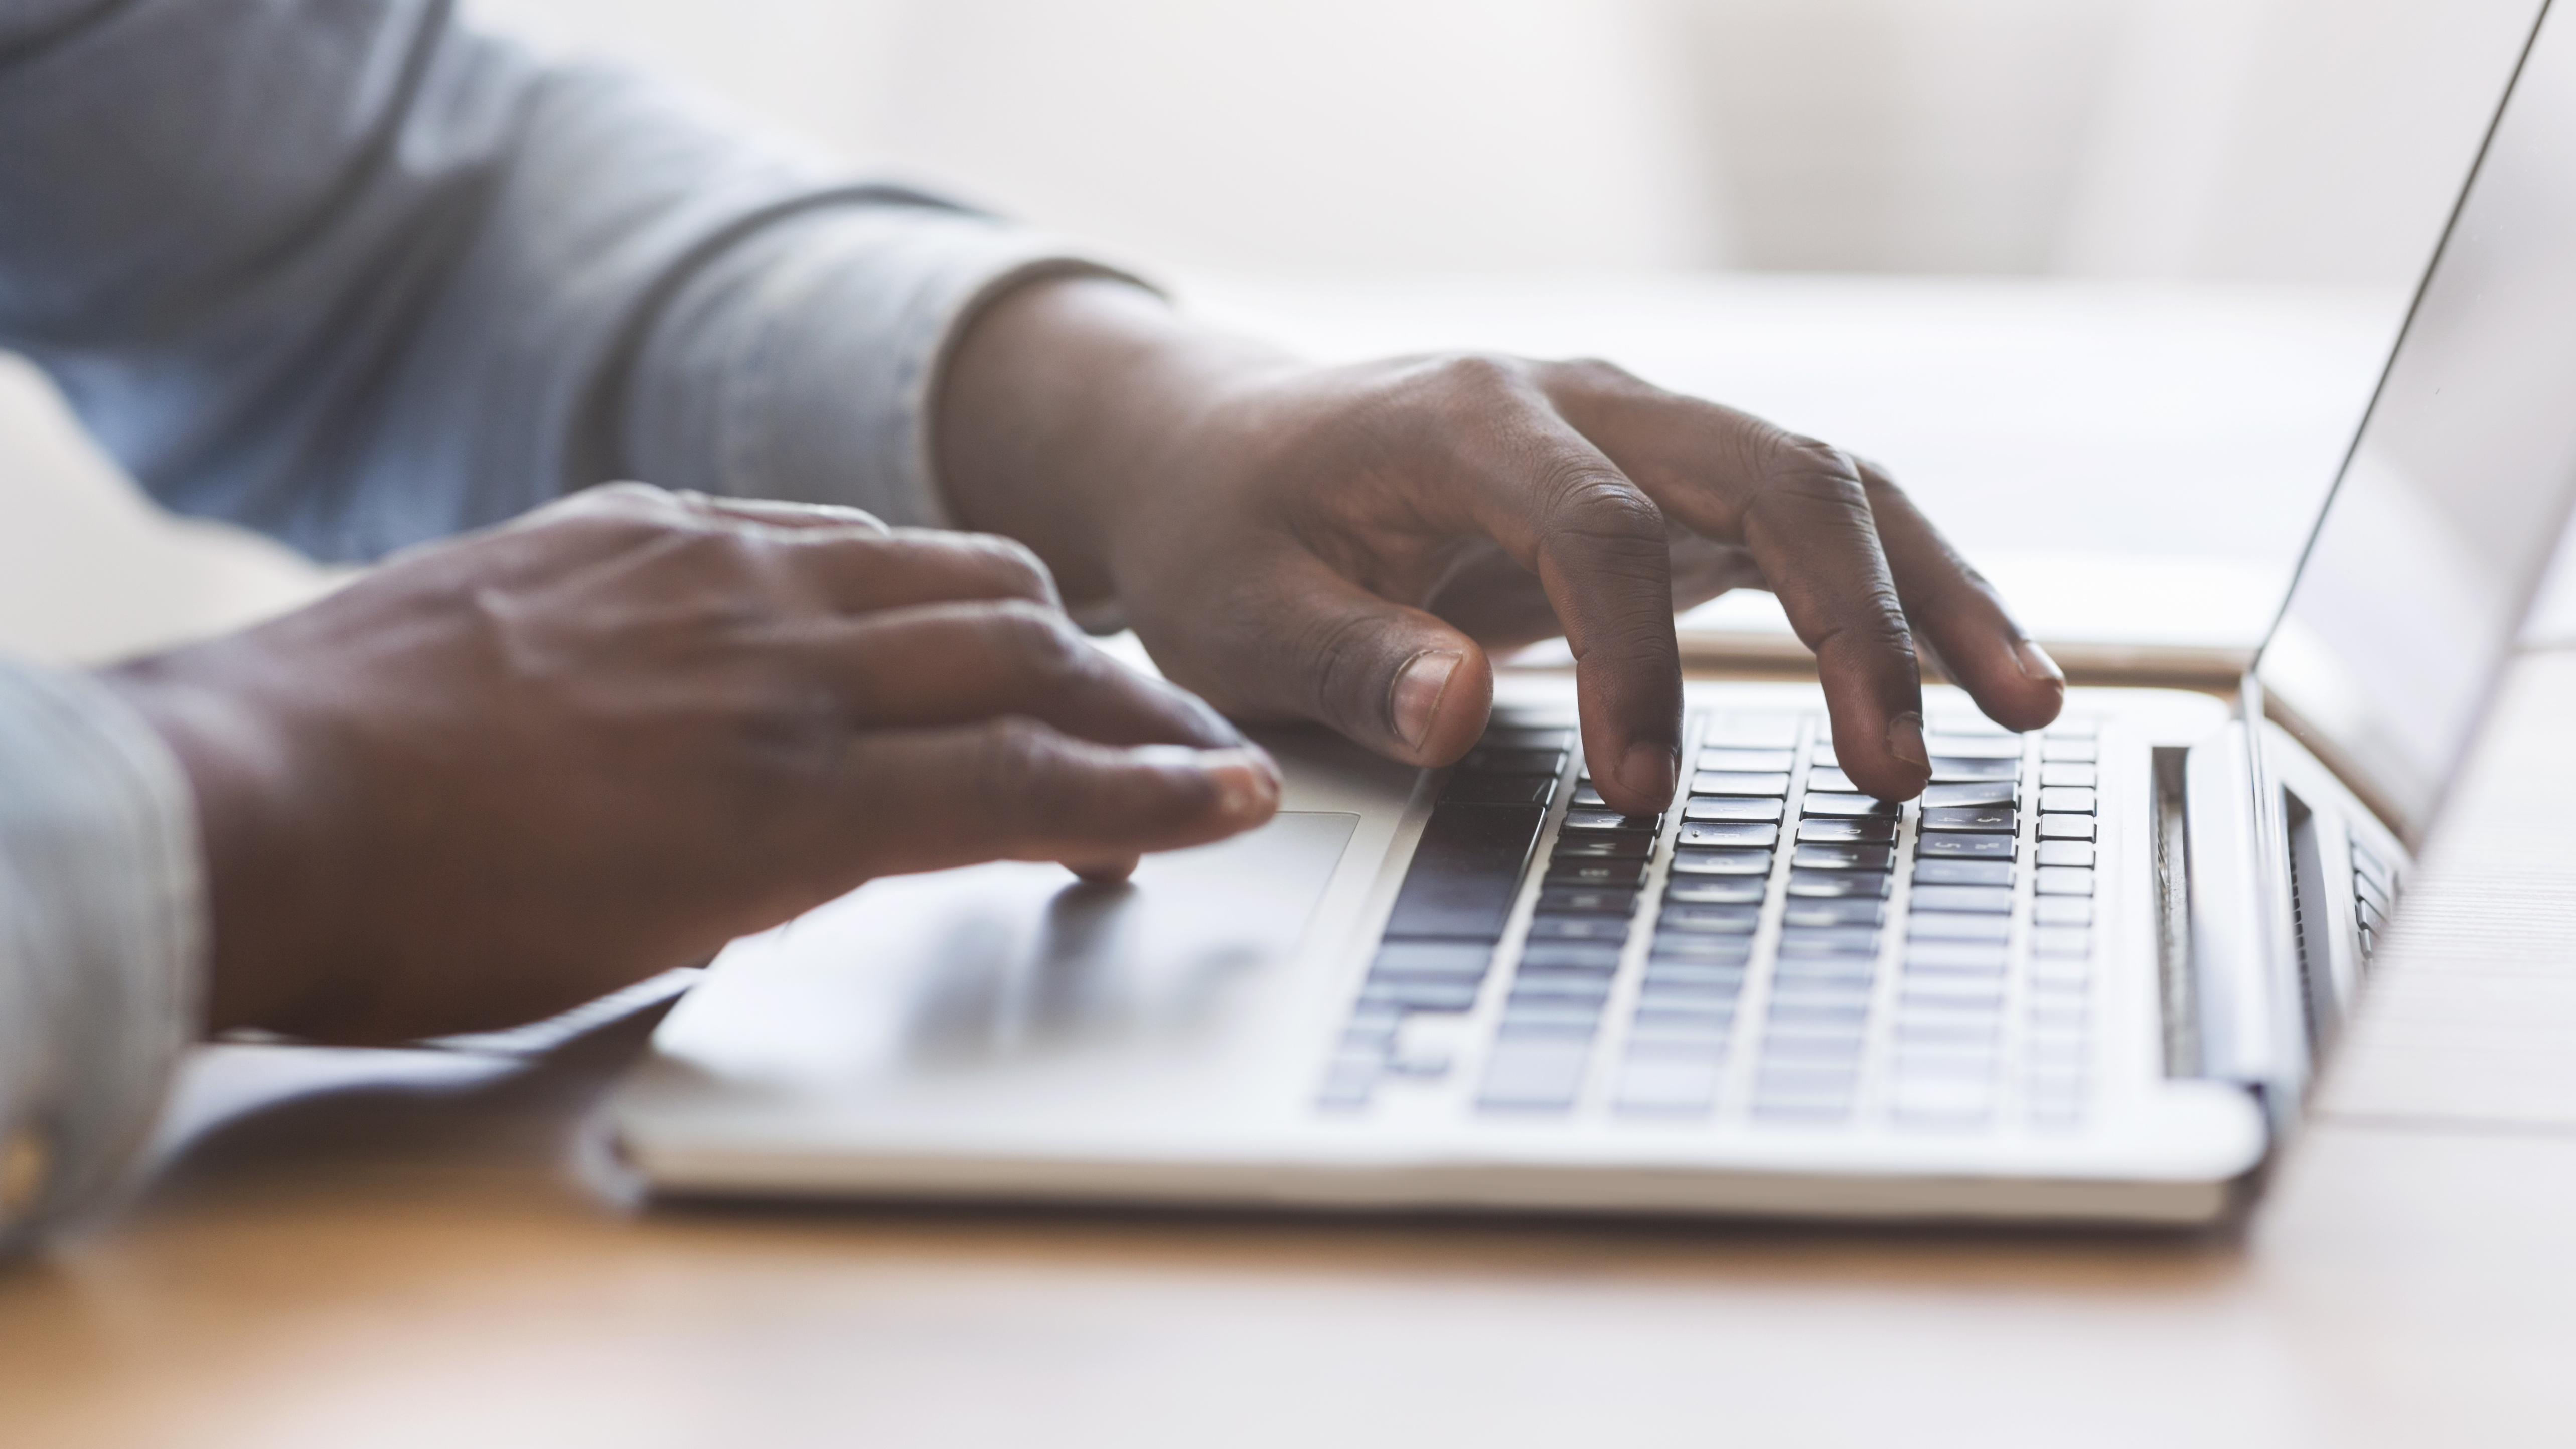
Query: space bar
[1467, 871]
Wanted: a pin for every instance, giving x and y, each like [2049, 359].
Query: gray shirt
[351, 274]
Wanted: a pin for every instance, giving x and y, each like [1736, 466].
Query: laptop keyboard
[1777, 946]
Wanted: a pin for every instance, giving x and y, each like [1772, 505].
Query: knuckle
[1017, 567]
[1480, 370]
[1599, 507]
[1040, 640]
[1600, 374]
[1876, 629]
[1803, 469]
[1013, 768]
[1470, 379]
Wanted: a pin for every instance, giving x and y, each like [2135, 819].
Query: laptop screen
[2454, 496]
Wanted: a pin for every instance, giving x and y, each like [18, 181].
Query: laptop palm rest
[1001, 978]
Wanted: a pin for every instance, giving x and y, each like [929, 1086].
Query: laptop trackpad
[969, 970]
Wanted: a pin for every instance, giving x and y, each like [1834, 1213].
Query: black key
[1423, 995]
[1812, 1048]
[1590, 821]
[1963, 872]
[1732, 833]
[1803, 1013]
[1722, 862]
[1838, 941]
[1716, 890]
[1485, 760]
[1703, 995]
[1678, 1017]
[1831, 831]
[1747, 761]
[1837, 884]
[1569, 1024]
[1500, 789]
[1730, 807]
[1847, 973]
[1954, 770]
[1588, 992]
[1705, 949]
[1588, 798]
[1606, 874]
[1850, 911]
[1984, 792]
[1844, 857]
[1605, 845]
[1570, 956]
[1986, 818]
[1612, 929]
[1753, 732]
[1983, 900]
[1713, 920]
[1830, 779]
[1964, 847]
[1694, 976]
[1973, 747]
[1576, 900]
[1740, 782]
[1526, 737]
[1466, 871]
[1440, 960]
[1816, 804]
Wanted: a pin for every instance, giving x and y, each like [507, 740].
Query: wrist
[1069, 404]
[267, 905]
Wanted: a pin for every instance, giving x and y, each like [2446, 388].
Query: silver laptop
[2086, 976]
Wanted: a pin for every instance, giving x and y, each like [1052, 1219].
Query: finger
[776, 513]
[808, 556]
[954, 664]
[643, 500]
[1599, 546]
[1801, 509]
[1015, 789]
[1105, 872]
[1307, 643]
[1981, 647]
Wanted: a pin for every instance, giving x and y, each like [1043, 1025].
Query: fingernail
[1649, 770]
[1247, 783]
[1415, 701]
[1905, 739]
[2035, 663]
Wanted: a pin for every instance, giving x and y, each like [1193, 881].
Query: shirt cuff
[804, 362]
[102, 943]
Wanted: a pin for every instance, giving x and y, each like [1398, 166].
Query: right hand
[510, 773]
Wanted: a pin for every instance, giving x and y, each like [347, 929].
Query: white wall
[2271, 140]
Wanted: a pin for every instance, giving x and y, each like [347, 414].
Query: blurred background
[2099, 277]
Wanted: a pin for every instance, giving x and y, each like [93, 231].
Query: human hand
[1347, 544]
[507, 774]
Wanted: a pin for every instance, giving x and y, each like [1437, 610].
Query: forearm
[363, 277]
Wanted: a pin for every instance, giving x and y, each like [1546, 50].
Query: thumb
[1315, 645]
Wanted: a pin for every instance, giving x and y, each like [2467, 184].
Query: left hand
[1347, 544]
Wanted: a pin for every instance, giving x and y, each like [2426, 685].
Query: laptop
[2087, 976]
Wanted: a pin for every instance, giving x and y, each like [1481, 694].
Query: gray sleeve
[352, 274]
[101, 943]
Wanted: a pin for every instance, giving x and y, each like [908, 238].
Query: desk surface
[411, 1247]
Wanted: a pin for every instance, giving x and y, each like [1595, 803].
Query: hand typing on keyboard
[1346, 544]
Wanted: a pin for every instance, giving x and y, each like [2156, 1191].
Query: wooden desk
[423, 1249]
